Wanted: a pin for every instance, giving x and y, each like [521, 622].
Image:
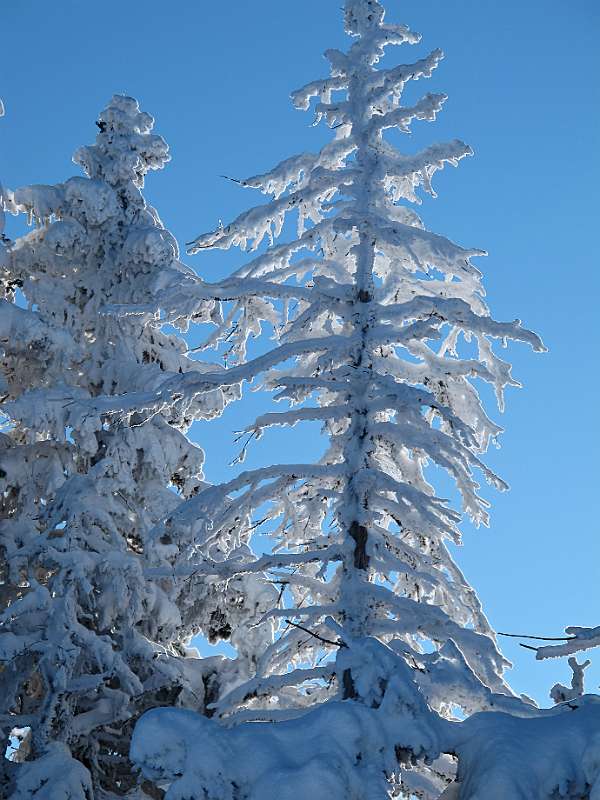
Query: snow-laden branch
[580, 639]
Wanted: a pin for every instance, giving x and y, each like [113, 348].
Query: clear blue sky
[523, 84]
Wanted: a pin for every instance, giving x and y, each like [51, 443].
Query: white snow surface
[54, 776]
[321, 755]
[552, 755]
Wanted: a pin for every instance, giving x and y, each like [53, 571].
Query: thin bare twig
[316, 635]
[541, 638]
[235, 180]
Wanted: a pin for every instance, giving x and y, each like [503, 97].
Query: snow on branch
[579, 639]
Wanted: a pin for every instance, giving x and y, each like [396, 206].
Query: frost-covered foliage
[560, 693]
[87, 640]
[382, 332]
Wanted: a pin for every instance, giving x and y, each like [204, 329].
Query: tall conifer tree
[382, 332]
[87, 640]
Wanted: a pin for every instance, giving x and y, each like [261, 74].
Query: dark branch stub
[360, 535]
[350, 692]
[316, 635]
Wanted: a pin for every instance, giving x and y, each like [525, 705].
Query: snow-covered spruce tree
[87, 641]
[382, 329]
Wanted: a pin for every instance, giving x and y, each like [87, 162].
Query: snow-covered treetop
[125, 149]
